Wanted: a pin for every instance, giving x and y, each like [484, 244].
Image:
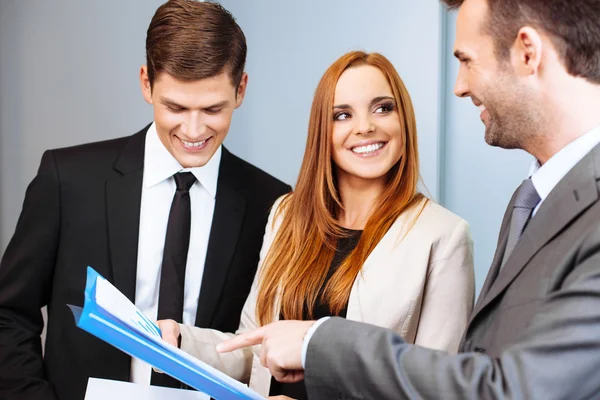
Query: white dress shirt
[544, 179]
[157, 194]
[547, 176]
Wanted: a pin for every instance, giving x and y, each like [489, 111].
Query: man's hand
[281, 350]
[170, 331]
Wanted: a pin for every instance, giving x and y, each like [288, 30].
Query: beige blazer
[419, 283]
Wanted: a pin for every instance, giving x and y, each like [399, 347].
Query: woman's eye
[341, 116]
[384, 108]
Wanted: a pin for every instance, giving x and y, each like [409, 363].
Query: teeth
[193, 144]
[482, 108]
[367, 149]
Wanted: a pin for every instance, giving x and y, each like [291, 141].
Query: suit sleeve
[201, 342]
[449, 294]
[26, 273]
[556, 357]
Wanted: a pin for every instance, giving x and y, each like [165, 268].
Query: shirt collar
[547, 176]
[208, 175]
[160, 165]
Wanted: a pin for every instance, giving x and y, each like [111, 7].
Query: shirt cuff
[311, 331]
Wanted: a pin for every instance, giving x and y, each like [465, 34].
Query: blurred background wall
[69, 75]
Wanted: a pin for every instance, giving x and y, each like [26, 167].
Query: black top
[344, 247]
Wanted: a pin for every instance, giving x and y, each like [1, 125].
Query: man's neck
[571, 114]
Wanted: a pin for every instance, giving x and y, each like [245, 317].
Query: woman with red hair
[356, 238]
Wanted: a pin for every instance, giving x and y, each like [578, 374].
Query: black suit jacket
[83, 208]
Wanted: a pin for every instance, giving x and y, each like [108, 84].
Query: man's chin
[491, 140]
[495, 139]
[193, 162]
[196, 159]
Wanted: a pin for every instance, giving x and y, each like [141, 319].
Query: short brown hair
[573, 25]
[192, 40]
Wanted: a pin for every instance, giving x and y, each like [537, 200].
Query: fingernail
[220, 347]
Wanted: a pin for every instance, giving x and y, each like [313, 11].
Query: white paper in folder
[103, 389]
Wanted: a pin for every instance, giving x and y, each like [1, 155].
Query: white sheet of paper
[115, 302]
[102, 389]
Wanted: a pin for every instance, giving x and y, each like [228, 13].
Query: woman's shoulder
[280, 205]
[441, 215]
[278, 211]
[434, 220]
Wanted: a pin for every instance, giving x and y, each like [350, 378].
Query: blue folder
[140, 338]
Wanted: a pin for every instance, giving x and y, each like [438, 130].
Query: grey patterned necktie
[526, 201]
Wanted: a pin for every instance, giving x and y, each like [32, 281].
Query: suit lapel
[357, 310]
[573, 194]
[230, 207]
[123, 199]
[497, 261]
[377, 261]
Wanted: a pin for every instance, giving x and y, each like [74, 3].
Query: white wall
[291, 43]
[68, 75]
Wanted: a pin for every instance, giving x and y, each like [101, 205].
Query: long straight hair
[297, 263]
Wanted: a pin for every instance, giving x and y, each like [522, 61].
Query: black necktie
[172, 274]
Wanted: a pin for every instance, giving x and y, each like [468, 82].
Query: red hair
[299, 258]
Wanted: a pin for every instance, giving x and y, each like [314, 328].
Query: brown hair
[192, 40]
[298, 261]
[574, 28]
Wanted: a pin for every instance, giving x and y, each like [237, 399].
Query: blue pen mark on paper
[147, 325]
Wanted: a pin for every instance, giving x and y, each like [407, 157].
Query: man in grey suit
[533, 68]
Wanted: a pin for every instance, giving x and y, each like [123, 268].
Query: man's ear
[526, 52]
[145, 84]
[241, 90]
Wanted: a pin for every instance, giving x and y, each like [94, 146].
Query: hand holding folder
[110, 316]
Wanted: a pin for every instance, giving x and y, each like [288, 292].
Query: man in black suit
[168, 215]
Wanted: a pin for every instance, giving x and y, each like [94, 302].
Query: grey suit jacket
[534, 332]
